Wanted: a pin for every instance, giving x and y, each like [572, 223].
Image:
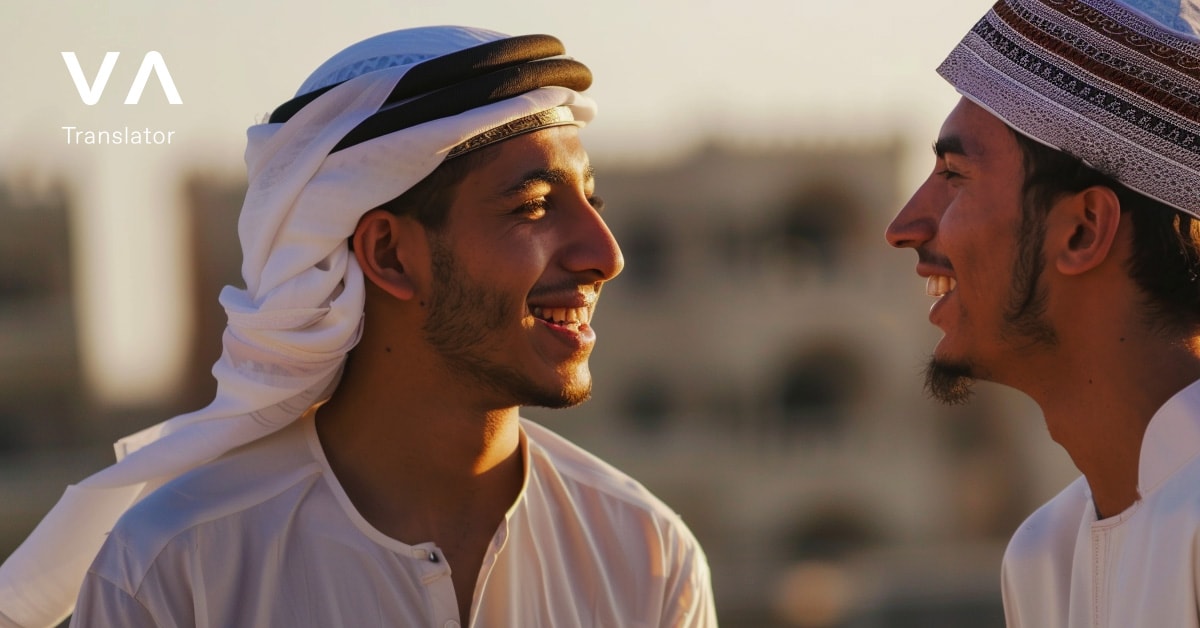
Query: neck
[1098, 393]
[416, 458]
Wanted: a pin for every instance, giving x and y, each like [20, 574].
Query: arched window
[810, 227]
[815, 387]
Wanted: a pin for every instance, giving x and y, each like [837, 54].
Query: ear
[383, 247]
[1084, 226]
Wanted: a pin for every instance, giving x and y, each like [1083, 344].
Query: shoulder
[239, 482]
[1036, 573]
[596, 486]
[579, 496]
[1047, 537]
[1055, 522]
[580, 468]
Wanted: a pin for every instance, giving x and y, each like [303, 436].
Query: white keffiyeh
[301, 311]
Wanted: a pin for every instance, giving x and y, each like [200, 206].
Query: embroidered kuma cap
[1116, 84]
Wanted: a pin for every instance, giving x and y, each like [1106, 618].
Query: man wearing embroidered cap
[1060, 234]
[423, 251]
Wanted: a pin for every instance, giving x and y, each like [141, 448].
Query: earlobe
[378, 247]
[1087, 224]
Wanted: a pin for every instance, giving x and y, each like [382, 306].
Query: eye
[597, 203]
[947, 174]
[533, 209]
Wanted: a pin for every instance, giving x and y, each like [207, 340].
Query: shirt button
[433, 557]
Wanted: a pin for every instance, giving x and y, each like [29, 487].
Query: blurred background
[759, 364]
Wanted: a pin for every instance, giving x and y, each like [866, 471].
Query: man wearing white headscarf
[1060, 234]
[423, 251]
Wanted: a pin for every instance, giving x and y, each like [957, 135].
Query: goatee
[949, 382]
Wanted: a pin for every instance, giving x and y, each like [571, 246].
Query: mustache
[925, 256]
[570, 286]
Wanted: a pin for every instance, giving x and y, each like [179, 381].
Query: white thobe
[1138, 569]
[265, 536]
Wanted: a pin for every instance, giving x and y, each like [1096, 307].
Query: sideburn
[1026, 310]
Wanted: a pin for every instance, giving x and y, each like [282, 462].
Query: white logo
[153, 61]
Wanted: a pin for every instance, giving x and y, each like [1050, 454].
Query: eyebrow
[551, 176]
[951, 144]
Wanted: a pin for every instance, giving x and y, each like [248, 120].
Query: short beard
[463, 318]
[949, 382]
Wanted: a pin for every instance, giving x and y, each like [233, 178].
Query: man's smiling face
[518, 268]
[981, 260]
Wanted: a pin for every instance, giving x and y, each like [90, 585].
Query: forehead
[552, 154]
[973, 132]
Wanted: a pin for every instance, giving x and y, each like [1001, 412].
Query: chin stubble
[948, 382]
[463, 317]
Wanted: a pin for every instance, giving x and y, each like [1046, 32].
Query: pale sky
[668, 74]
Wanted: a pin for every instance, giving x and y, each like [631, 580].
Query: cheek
[976, 219]
[508, 276]
[525, 255]
[980, 250]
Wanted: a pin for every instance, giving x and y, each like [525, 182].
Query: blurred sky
[669, 75]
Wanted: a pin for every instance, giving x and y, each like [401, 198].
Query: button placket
[434, 572]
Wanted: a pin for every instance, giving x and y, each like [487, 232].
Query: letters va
[153, 61]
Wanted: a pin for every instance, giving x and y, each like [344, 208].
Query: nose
[917, 221]
[593, 248]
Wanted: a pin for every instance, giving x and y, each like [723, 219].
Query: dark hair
[429, 200]
[1165, 263]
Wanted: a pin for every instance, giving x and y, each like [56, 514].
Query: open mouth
[939, 285]
[569, 317]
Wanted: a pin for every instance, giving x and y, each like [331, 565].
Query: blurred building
[758, 367]
[212, 204]
[40, 376]
[42, 399]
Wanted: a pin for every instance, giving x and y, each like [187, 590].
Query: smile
[564, 316]
[939, 285]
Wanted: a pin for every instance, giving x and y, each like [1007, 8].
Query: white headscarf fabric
[301, 311]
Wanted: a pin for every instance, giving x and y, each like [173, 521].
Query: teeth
[563, 315]
[938, 285]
